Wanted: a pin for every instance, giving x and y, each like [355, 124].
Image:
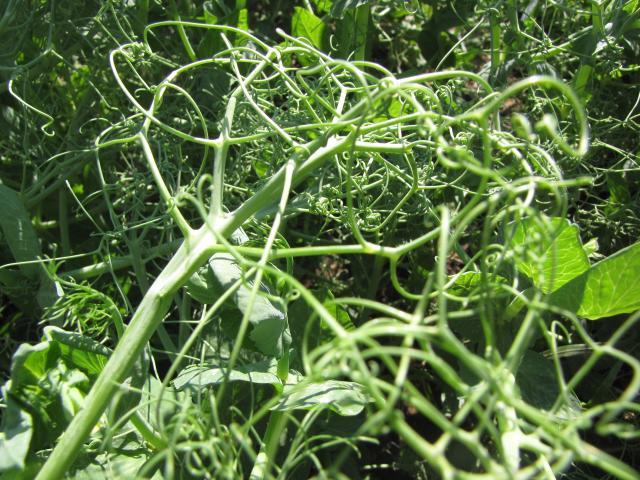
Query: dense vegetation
[320, 239]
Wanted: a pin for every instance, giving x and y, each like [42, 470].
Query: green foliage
[47, 387]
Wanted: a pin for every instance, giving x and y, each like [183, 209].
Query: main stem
[192, 253]
[195, 250]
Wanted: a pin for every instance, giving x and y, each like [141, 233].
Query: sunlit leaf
[551, 253]
[610, 287]
[306, 25]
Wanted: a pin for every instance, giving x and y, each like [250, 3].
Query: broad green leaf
[323, 6]
[551, 253]
[306, 25]
[18, 231]
[269, 332]
[23, 243]
[114, 465]
[202, 287]
[124, 459]
[344, 398]
[83, 352]
[19, 289]
[16, 433]
[337, 311]
[199, 376]
[52, 378]
[610, 287]
[538, 385]
[29, 364]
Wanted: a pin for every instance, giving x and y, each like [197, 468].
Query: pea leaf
[15, 437]
[471, 282]
[318, 332]
[201, 376]
[306, 25]
[52, 379]
[116, 465]
[551, 253]
[269, 332]
[610, 287]
[125, 459]
[23, 242]
[18, 231]
[160, 405]
[344, 398]
[538, 385]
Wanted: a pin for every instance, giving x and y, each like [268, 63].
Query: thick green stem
[263, 463]
[191, 254]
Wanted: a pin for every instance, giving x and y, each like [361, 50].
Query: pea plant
[356, 258]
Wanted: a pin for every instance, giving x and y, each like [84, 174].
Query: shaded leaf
[160, 404]
[15, 437]
[269, 332]
[125, 459]
[539, 387]
[47, 386]
[18, 231]
[318, 331]
[344, 398]
[200, 376]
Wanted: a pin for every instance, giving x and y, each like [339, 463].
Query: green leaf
[200, 376]
[610, 287]
[323, 6]
[19, 289]
[125, 459]
[269, 332]
[18, 231]
[470, 282]
[111, 465]
[15, 437]
[344, 398]
[160, 405]
[538, 385]
[23, 243]
[306, 25]
[83, 352]
[318, 332]
[551, 253]
[51, 378]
